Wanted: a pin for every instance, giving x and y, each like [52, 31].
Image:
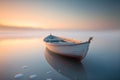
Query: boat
[67, 47]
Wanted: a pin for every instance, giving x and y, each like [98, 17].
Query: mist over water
[25, 53]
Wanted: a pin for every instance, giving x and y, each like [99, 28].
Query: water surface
[20, 50]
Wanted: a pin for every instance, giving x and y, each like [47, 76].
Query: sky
[61, 14]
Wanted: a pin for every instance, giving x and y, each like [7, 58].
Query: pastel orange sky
[58, 14]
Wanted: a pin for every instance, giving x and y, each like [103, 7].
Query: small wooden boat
[67, 47]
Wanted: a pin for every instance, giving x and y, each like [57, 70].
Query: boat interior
[55, 39]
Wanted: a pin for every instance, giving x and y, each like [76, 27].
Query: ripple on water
[19, 75]
[33, 76]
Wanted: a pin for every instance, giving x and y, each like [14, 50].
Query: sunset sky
[61, 14]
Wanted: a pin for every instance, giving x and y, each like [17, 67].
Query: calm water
[24, 53]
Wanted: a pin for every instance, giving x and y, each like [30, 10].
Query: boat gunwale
[52, 44]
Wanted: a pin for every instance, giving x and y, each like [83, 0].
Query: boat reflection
[68, 67]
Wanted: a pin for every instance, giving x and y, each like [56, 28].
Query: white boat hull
[75, 50]
[67, 47]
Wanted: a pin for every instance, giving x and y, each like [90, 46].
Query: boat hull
[77, 51]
